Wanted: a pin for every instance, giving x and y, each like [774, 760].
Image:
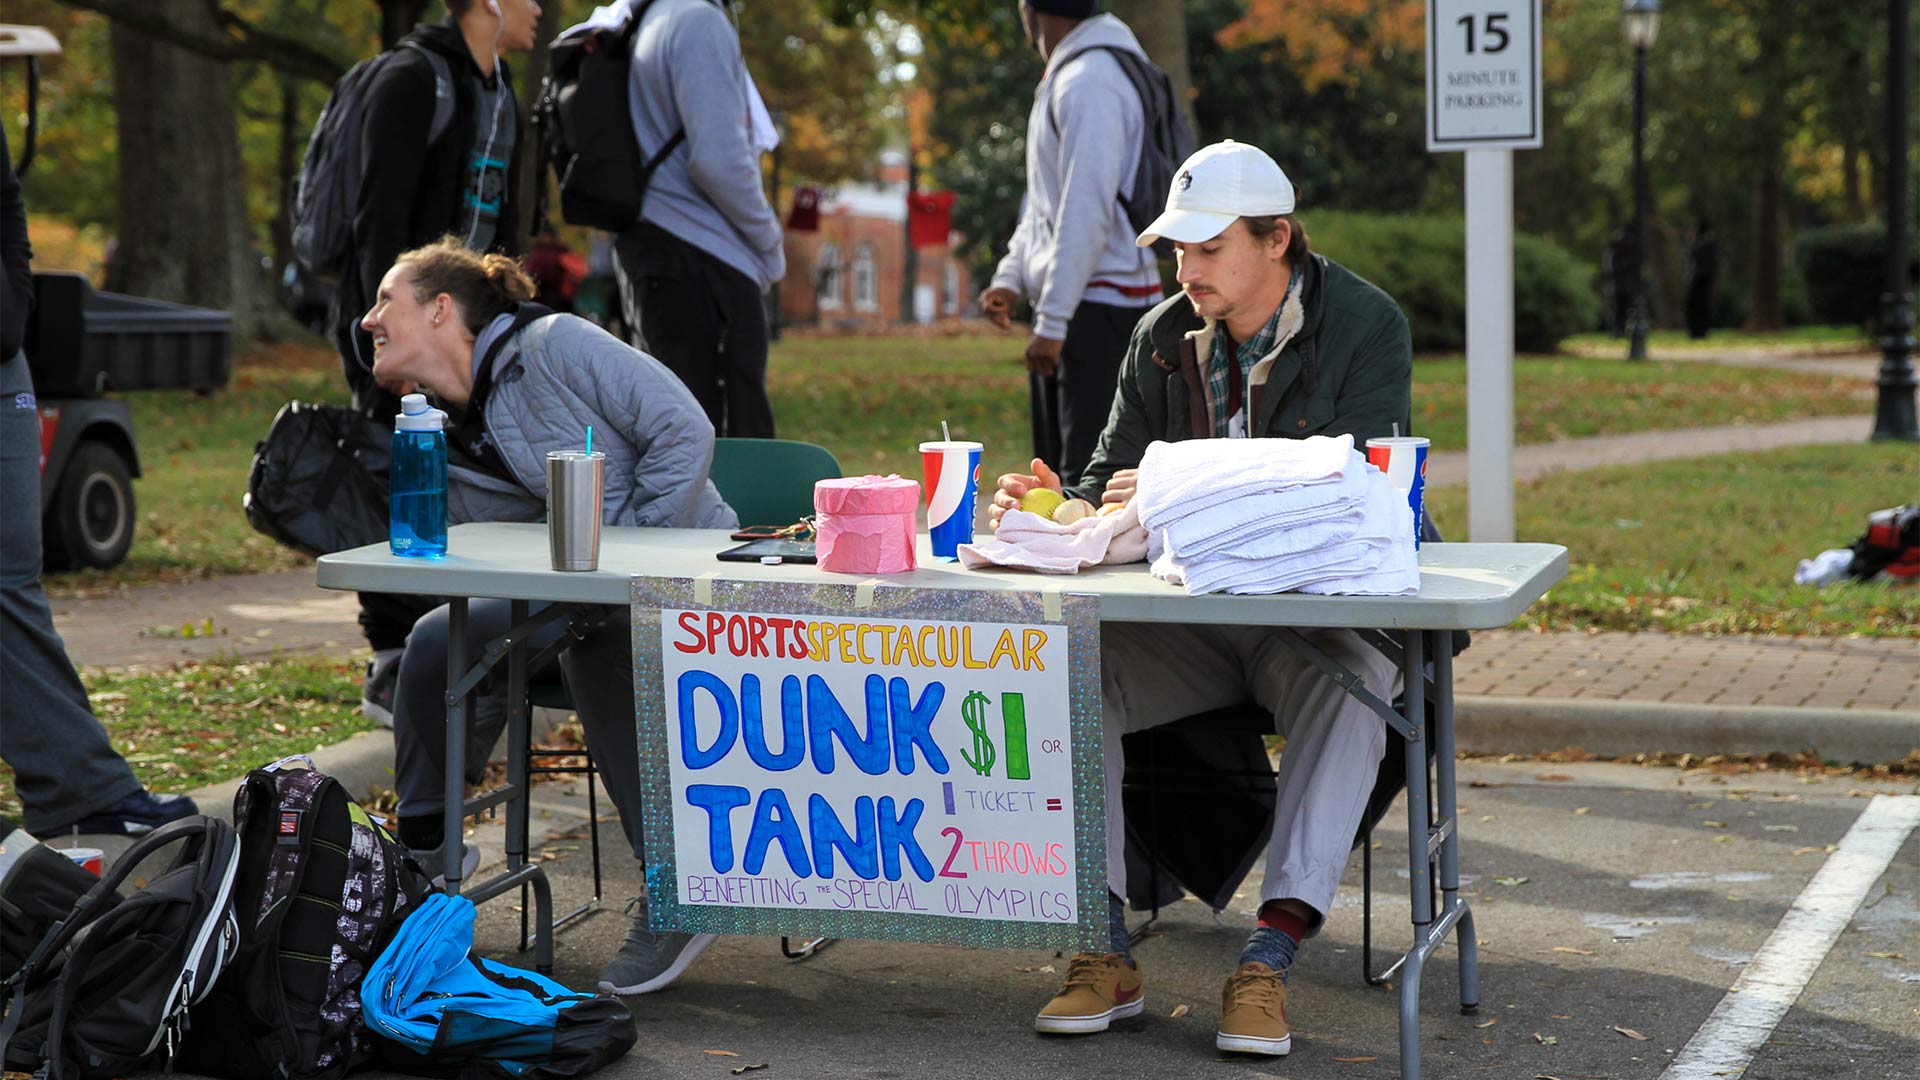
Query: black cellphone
[793, 551]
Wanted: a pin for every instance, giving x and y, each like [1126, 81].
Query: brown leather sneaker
[1253, 1013]
[1100, 988]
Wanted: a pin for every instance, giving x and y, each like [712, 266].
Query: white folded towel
[1031, 542]
[1377, 559]
[1275, 522]
[1177, 479]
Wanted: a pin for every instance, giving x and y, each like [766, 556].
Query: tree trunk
[1769, 132]
[1161, 26]
[182, 190]
[398, 16]
[287, 170]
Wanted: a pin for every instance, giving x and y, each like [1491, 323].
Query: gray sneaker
[650, 960]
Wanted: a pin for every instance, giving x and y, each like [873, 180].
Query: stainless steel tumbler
[576, 482]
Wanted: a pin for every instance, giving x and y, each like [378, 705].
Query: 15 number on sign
[1494, 31]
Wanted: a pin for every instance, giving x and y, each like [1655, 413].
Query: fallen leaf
[1180, 1010]
[1512, 880]
[1486, 818]
[1557, 1016]
[1046, 969]
[1781, 828]
[1546, 1040]
[1723, 839]
[1367, 1058]
[1484, 783]
[1714, 824]
[1807, 850]
[1553, 777]
[748, 1068]
[1886, 956]
[1571, 949]
[721, 1053]
[1630, 1033]
[1489, 1022]
[1582, 811]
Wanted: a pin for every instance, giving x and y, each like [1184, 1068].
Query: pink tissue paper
[865, 524]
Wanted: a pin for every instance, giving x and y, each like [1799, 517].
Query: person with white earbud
[439, 136]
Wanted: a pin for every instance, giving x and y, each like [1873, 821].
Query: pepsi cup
[953, 481]
[1404, 459]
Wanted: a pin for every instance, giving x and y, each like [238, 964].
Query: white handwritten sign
[909, 769]
[1483, 74]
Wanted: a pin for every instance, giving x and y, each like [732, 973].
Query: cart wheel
[90, 523]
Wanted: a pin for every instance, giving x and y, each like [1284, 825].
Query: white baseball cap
[1215, 186]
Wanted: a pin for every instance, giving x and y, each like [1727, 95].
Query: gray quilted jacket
[550, 380]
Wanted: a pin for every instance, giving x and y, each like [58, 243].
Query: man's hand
[1015, 485]
[1043, 354]
[997, 305]
[1121, 486]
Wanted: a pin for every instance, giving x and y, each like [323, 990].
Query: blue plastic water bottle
[417, 512]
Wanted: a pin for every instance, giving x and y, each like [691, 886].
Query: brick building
[847, 274]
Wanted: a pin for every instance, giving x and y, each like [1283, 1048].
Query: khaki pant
[1154, 674]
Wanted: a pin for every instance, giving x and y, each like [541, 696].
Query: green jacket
[1347, 370]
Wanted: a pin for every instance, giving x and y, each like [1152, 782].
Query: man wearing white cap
[1266, 340]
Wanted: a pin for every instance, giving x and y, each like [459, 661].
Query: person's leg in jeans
[1089, 374]
[743, 352]
[64, 766]
[599, 675]
[673, 316]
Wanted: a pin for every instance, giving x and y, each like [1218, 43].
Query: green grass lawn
[1824, 339]
[196, 724]
[872, 400]
[1709, 545]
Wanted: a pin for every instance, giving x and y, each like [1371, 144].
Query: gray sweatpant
[64, 768]
[599, 674]
[1154, 674]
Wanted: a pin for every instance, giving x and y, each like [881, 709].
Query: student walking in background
[1072, 253]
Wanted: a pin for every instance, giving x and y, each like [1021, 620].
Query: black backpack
[107, 990]
[584, 131]
[318, 483]
[1168, 141]
[36, 892]
[322, 888]
[327, 191]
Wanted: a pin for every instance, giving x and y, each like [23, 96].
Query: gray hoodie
[556, 376]
[1073, 242]
[688, 72]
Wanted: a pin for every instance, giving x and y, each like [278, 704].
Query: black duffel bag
[319, 479]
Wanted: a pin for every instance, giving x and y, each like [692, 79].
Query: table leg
[1445, 789]
[1419, 828]
[456, 793]
[517, 739]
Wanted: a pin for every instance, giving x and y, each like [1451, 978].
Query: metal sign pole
[1490, 345]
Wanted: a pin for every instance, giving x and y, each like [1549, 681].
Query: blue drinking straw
[589, 438]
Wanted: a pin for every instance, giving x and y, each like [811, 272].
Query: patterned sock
[1273, 942]
[1117, 927]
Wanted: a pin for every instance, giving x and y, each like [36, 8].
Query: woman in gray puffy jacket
[518, 380]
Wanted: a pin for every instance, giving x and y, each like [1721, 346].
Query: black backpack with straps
[108, 989]
[322, 887]
[584, 130]
[318, 483]
[1167, 141]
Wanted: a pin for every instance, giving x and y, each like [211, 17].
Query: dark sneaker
[141, 812]
[1099, 989]
[650, 960]
[376, 698]
[1253, 1012]
[434, 862]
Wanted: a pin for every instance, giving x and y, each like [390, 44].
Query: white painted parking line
[1763, 993]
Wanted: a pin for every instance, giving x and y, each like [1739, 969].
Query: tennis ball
[1042, 501]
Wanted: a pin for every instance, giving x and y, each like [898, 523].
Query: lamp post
[1642, 21]
[1894, 414]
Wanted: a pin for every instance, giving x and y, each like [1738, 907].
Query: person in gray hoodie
[1072, 253]
[693, 269]
[519, 381]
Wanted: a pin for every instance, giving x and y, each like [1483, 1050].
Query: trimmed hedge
[1843, 269]
[1420, 260]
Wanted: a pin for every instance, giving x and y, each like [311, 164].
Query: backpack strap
[443, 95]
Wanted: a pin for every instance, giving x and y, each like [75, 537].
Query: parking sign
[1483, 74]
